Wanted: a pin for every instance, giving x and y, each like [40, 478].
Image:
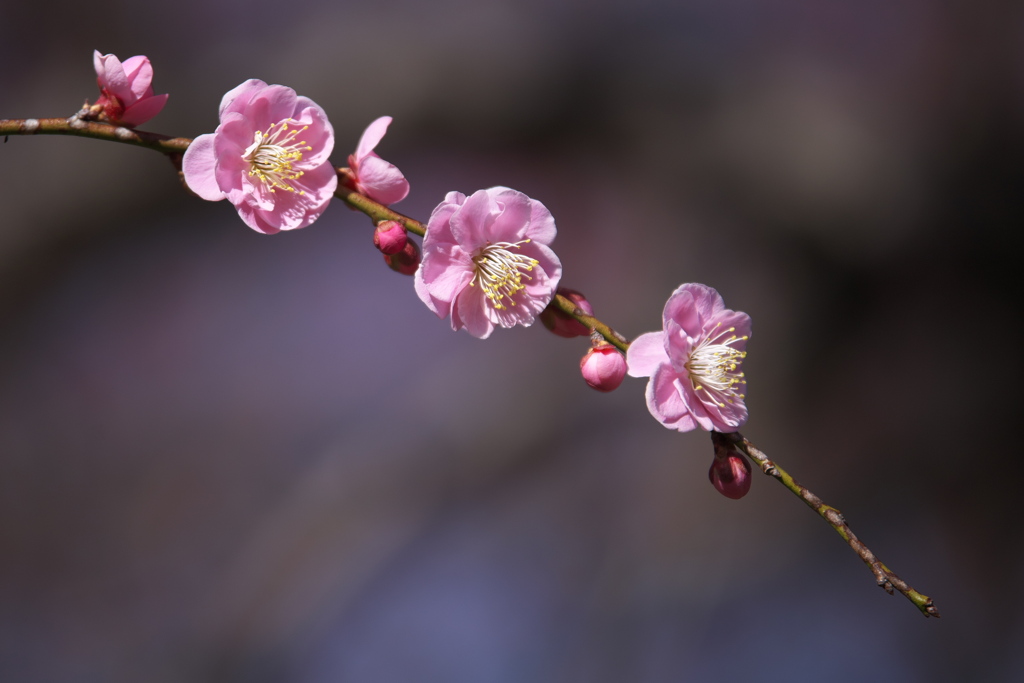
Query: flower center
[500, 273]
[272, 154]
[714, 367]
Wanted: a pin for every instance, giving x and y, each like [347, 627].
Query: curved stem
[174, 147]
[567, 306]
[885, 577]
[97, 130]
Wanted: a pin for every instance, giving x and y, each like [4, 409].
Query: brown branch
[174, 147]
[884, 576]
[376, 211]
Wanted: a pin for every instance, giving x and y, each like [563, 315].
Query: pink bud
[603, 367]
[390, 237]
[406, 261]
[730, 473]
[560, 322]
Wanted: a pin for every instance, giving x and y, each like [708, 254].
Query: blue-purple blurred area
[226, 457]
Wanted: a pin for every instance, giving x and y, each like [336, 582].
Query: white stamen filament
[272, 154]
[500, 273]
[714, 367]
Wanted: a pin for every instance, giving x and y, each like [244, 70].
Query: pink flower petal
[663, 399]
[646, 354]
[372, 136]
[319, 135]
[513, 215]
[437, 307]
[238, 98]
[737, 319]
[110, 75]
[473, 312]
[143, 110]
[439, 227]
[691, 305]
[382, 182]
[693, 403]
[97, 65]
[471, 224]
[199, 166]
[272, 104]
[542, 223]
[139, 72]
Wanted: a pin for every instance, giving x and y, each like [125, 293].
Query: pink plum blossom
[126, 90]
[486, 260]
[603, 367]
[374, 177]
[268, 157]
[694, 362]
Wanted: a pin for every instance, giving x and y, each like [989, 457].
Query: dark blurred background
[238, 458]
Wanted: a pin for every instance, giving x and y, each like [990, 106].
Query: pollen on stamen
[713, 367]
[500, 272]
[272, 155]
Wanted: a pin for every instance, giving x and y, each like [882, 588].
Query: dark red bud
[560, 322]
[730, 474]
[390, 237]
[406, 261]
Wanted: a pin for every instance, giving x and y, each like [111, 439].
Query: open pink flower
[374, 177]
[486, 260]
[694, 362]
[268, 157]
[126, 90]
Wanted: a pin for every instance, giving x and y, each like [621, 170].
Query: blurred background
[238, 458]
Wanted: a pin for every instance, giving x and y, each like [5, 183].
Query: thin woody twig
[74, 125]
[174, 147]
[884, 576]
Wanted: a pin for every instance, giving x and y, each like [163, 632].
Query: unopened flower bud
[406, 261]
[560, 322]
[603, 367]
[390, 237]
[730, 473]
